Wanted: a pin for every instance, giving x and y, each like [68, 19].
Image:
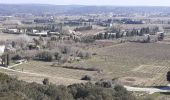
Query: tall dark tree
[161, 37]
[168, 76]
[106, 35]
[118, 35]
[148, 39]
[8, 59]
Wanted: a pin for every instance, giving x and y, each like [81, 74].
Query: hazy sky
[94, 2]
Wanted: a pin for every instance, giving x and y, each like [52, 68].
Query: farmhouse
[12, 30]
[54, 33]
[38, 34]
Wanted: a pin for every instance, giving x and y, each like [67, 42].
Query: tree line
[13, 89]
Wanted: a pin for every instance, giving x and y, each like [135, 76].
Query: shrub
[105, 84]
[94, 54]
[86, 77]
[46, 81]
[54, 38]
[83, 28]
[119, 88]
[17, 57]
[63, 60]
[45, 56]
[83, 54]
[58, 93]
[13, 89]
[88, 39]
[57, 55]
[66, 50]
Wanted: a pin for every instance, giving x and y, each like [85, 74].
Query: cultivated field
[134, 64]
[4, 36]
[38, 78]
[45, 68]
[145, 63]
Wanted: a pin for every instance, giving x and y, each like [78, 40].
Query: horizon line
[84, 5]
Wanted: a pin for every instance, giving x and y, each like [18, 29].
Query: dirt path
[9, 67]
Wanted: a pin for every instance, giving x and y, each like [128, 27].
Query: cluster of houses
[14, 31]
[33, 32]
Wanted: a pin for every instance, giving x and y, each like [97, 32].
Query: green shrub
[45, 56]
[86, 77]
[13, 89]
[46, 81]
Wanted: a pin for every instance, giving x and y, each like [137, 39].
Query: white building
[2, 49]
[13, 30]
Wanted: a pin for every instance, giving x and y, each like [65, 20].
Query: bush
[63, 60]
[54, 38]
[88, 39]
[46, 81]
[13, 89]
[45, 56]
[119, 88]
[57, 56]
[86, 77]
[66, 50]
[84, 55]
[17, 57]
[83, 28]
[105, 84]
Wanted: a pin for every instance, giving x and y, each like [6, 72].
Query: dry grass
[38, 78]
[126, 59]
[54, 73]
[4, 36]
[147, 63]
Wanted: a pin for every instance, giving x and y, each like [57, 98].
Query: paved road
[149, 90]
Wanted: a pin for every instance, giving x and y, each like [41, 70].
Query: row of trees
[46, 49]
[62, 53]
[84, 28]
[117, 33]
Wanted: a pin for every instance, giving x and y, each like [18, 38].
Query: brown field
[38, 78]
[135, 60]
[4, 36]
[65, 76]
[94, 31]
[133, 63]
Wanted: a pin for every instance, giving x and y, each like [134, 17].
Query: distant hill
[8, 9]
[100, 9]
